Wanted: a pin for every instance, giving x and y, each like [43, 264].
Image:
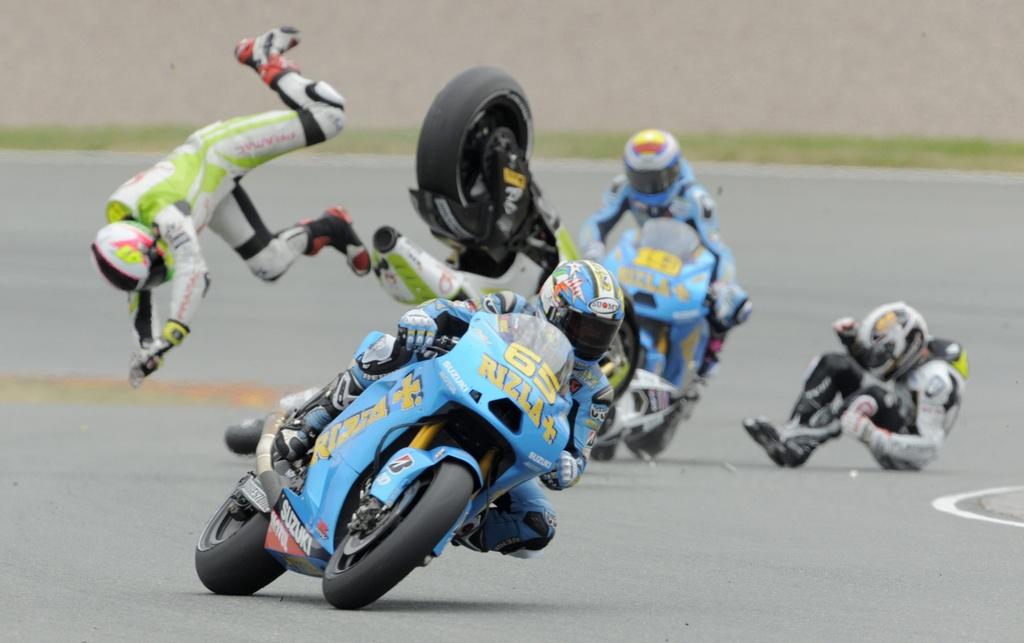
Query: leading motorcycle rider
[896, 389]
[579, 297]
[658, 182]
[154, 218]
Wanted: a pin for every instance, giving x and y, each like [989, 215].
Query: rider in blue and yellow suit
[579, 297]
[658, 182]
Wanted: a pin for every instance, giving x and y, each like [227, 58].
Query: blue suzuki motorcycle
[389, 482]
[667, 272]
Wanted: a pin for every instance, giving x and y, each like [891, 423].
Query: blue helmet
[653, 165]
[584, 300]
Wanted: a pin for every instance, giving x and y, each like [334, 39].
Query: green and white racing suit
[197, 186]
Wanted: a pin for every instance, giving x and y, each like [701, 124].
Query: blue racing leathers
[523, 520]
[688, 201]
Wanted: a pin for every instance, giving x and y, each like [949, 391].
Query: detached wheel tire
[476, 101]
[354, 580]
[230, 558]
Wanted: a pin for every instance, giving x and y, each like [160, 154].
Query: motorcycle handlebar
[441, 345]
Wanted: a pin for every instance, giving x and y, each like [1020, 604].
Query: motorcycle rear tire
[406, 546]
[453, 113]
[653, 442]
[238, 565]
[604, 453]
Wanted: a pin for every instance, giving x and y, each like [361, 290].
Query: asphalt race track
[103, 501]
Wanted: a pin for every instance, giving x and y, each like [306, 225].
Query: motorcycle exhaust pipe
[385, 239]
[268, 478]
[410, 274]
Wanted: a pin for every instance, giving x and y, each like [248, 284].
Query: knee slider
[877, 392]
[329, 118]
[541, 523]
[271, 261]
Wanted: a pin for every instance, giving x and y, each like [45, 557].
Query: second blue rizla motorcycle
[389, 482]
[667, 272]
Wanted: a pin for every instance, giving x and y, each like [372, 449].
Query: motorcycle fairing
[291, 542]
[672, 294]
[348, 445]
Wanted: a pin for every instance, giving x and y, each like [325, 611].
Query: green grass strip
[962, 154]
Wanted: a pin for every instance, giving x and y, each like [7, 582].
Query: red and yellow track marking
[45, 389]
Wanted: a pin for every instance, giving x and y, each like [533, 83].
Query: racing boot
[334, 228]
[263, 52]
[762, 432]
[293, 441]
[299, 433]
[792, 446]
[243, 438]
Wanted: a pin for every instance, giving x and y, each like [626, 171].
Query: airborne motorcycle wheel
[463, 115]
[364, 567]
[230, 558]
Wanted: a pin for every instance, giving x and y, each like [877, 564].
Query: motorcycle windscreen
[539, 336]
[675, 237]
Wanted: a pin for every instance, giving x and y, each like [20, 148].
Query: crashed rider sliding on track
[155, 217]
[896, 389]
[583, 300]
[659, 183]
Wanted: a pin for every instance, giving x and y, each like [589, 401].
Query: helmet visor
[878, 355]
[590, 335]
[652, 181]
[117, 278]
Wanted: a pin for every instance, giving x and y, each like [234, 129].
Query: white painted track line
[948, 504]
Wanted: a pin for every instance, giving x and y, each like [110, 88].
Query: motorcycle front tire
[405, 547]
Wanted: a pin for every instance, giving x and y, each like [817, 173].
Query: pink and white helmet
[127, 254]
